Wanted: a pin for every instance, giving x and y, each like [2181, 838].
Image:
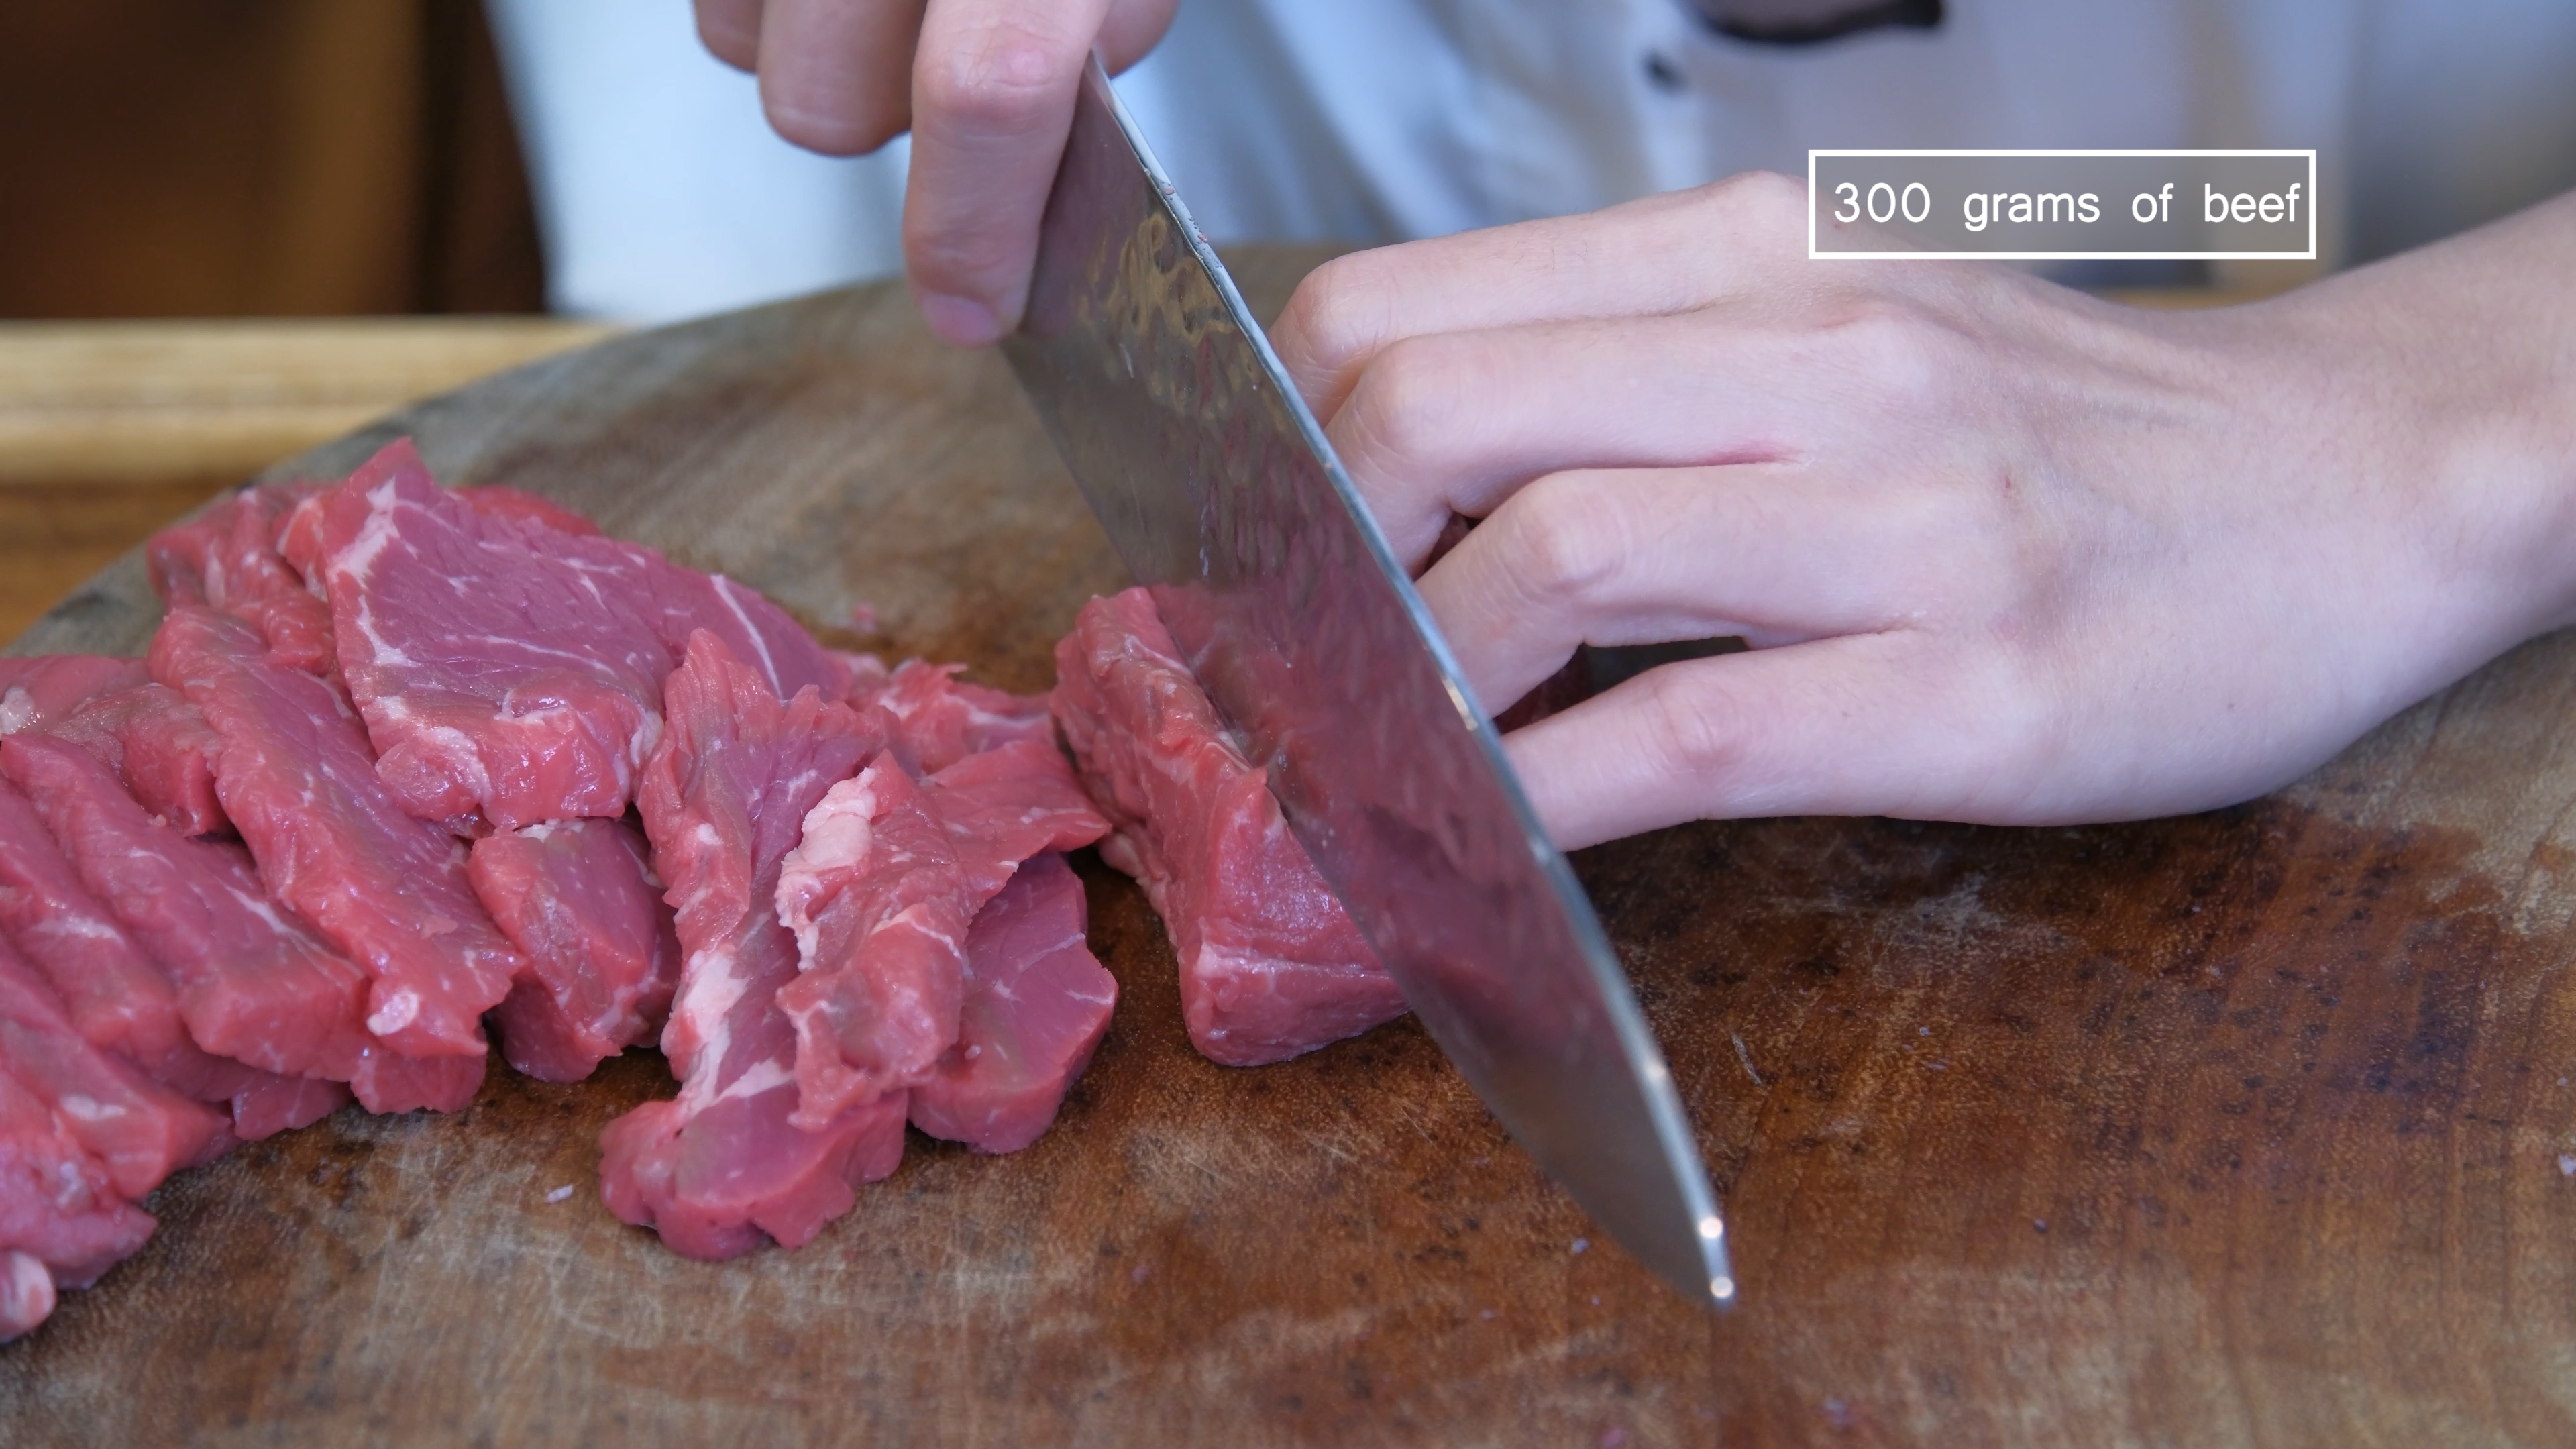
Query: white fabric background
[662, 193]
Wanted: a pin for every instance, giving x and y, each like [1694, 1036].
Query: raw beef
[274, 1104]
[940, 719]
[494, 501]
[300, 784]
[878, 903]
[252, 984]
[508, 667]
[46, 687]
[227, 559]
[579, 901]
[1037, 1003]
[57, 1210]
[118, 999]
[723, 798]
[139, 1132]
[1271, 965]
[880, 892]
[159, 745]
[1005, 804]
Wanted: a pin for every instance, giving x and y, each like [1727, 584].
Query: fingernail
[961, 320]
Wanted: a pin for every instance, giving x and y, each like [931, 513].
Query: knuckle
[1562, 548]
[1406, 409]
[1895, 346]
[1695, 731]
[1765, 198]
[948, 258]
[1004, 80]
[1330, 323]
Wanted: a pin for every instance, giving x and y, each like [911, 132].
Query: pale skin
[2007, 553]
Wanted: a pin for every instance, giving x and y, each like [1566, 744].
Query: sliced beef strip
[940, 719]
[138, 1131]
[879, 906]
[1037, 1003]
[723, 799]
[159, 745]
[1271, 964]
[880, 892]
[299, 782]
[580, 901]
[227, 559]
[117, 996]
[253, 984]
[57, 1206]
[495, 501]
[508, 667]
[44, 687]
[275, 1104]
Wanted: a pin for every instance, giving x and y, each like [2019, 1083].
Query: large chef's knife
[1220, 491]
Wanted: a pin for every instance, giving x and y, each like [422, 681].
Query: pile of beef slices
[410, 773]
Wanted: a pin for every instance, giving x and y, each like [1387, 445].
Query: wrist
[2451, 372]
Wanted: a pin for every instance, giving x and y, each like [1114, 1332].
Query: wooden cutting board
[2248, 1128]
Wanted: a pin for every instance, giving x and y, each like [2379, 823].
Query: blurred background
[232, 229]
[211, 158]
[174, 159]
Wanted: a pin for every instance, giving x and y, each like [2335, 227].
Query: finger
[1771, 554]
[730, 29]
[992, 94]
[1131, 29]
[1846, 726]
[1659, 254]
[1454, 422]
[833, 73]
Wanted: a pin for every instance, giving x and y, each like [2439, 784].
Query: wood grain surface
[2251, 1128]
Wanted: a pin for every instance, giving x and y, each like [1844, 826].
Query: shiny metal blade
[1217, 486]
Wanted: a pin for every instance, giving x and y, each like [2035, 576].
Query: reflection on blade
[1219, 490]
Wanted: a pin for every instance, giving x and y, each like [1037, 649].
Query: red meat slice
[880, 892]
[494, 501]
[723, 799]
[159, 745]
[252, 984]
[275, 1104]
[227, 559]
[508, 667]
[1271, 965]
[1037, 1003]
[45, 687]
[940, 719]
[56, 1205]
[300, 784]
[140, 1133]
[579, 901]
[878, 903]
[1003, 805]
[118, 999]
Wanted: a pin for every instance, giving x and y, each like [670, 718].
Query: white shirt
[662, 193]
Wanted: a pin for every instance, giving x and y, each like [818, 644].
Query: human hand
[2005, 552]
[985, 86]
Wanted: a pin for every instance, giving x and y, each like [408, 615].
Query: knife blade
[1219, 490]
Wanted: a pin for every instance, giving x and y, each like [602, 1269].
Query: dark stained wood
[2243, 1129]
[191, 158]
